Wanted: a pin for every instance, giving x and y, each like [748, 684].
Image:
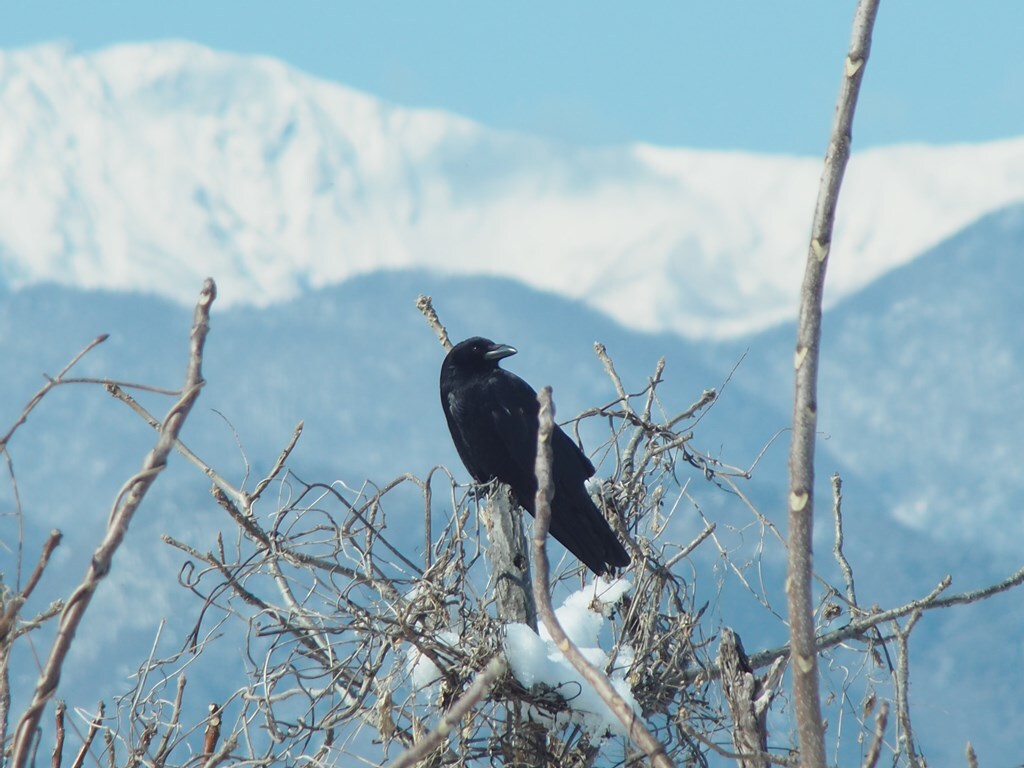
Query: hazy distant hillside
[922, 385]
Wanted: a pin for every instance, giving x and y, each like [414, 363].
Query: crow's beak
[500, 352]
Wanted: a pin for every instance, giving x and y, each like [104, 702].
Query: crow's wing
[511, 416]
[512, 412]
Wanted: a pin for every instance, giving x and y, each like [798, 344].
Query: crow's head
[478, 353]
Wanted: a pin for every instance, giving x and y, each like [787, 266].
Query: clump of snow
[535, 659]
[423, 672]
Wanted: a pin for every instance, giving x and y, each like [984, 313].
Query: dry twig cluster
[359, 641]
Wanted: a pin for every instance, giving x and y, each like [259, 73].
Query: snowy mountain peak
[148, 166]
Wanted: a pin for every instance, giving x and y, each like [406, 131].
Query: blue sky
[723, 74]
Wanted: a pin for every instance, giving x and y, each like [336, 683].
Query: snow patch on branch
[536, 661]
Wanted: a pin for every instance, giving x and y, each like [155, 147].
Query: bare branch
[108, 745]
[903, 688]
[509, 558]
[425, 305]
[238, 496]
[749, 708]
[881, 720]
[872, 620]
[58, 741]
[609, 367]
[709, 529]
[806, 700]
[635, 727]
[221, 754]
[837, 548]
[279, 464]
[94, 728]
[110, 383]
[972, 758]
[124, 508]
[212, 734]
[163, 747]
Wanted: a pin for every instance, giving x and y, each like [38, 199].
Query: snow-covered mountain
[147, 167]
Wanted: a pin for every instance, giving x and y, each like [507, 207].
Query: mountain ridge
[148, 166]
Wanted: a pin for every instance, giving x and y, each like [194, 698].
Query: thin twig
[708, 530]
[50, 384]
[10, 614]
[221, 754]
[869, 621]
[858, 628]
[466, 702]
[106, 383]
[729, 754]
[609, 367]
[164, 746]
[240, 497]
[279, 464]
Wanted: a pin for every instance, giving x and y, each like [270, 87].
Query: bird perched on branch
[492, 415]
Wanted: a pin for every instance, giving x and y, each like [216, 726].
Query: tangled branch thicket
[354, 641]
[360, 640]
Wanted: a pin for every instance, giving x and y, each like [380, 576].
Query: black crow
[492, 415]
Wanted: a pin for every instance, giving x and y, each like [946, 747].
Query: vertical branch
[906, 732]
[749, 732]
[639, 734]
[748, 699]
[57, 756]
[806, 700]
[871, 759]
[10, 607]
[837, 548]
[124, 508]
[212, 733]
[508, 558]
